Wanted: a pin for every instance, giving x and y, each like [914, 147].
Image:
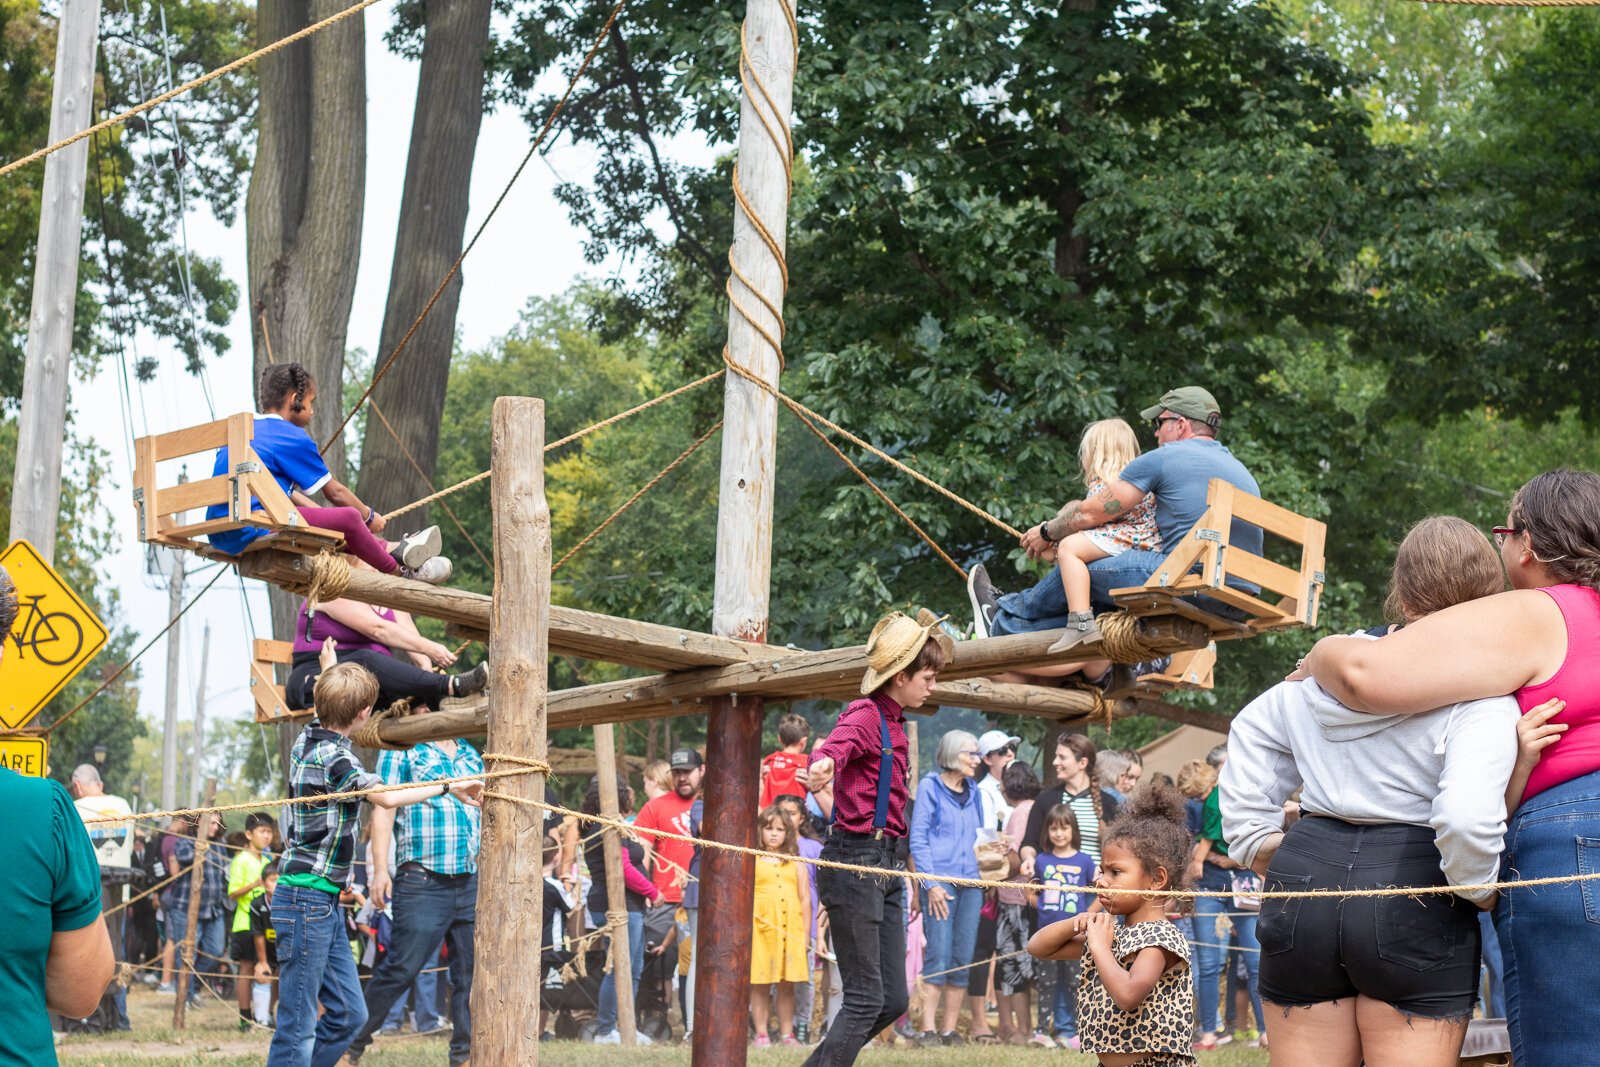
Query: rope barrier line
[532, 766]
[455, 268]
[636, 497]
[427, 481]
[103, 686]
[567, 440]
[151, 889]
[157, 101]
[865, 477]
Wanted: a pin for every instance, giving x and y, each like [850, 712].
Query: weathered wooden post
[505, 988]
[744, 525]
[605, 766]
[197, 876]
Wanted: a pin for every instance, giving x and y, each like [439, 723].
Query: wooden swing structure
[728, 673]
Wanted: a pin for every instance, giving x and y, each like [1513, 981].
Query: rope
[103, 686]
[553, 445]
[330, 579]
[455, 268]
[636, 497]
[170, 94]
[159, 885]
[1119, 636]
[367, 734]
[427, 481]
[865, 477]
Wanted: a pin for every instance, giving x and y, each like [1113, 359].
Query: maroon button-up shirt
[856, 747]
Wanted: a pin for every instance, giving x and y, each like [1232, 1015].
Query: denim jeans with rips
[315, 966]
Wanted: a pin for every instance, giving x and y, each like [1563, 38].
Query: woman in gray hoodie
[1387, 800]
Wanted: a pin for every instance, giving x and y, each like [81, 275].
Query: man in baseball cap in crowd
[1186, 422]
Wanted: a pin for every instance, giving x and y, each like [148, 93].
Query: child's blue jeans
[315, 965]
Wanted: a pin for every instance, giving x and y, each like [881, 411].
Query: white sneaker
[615, 1038]
[435, 571]
[415, 549]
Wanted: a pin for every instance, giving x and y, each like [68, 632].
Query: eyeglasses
[974, 755]
[1156, 423]
[1503, 532]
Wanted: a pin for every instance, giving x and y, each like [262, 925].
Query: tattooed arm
[1101, 508]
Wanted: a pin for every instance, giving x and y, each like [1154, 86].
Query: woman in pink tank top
[1539, 641]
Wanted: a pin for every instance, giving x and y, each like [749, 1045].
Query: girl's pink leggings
[358, 540]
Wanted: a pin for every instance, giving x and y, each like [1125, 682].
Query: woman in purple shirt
[384, 641]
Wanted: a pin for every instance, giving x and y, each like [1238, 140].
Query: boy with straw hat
[859, 778]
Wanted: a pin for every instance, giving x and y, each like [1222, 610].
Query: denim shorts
[1419, 954]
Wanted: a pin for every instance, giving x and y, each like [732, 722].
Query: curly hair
[280, 382]
[1151, 827]
[1559, 511]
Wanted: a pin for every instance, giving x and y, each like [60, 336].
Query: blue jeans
[1044, 605]
[951, 939]
[1550, 935]
[1211, 952]
[210, 950]
[424, 995]
[606, 1020]
[429, 908]
[1494, 1001]
[315, 965]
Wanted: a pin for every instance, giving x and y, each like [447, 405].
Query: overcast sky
[529, 250]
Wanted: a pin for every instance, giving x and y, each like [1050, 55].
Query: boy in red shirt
[780, 771]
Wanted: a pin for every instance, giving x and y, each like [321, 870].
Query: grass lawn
[213, 1039]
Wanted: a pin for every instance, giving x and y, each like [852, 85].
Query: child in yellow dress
[778, 951]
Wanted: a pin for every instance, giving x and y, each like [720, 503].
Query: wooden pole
[510, 920]
[912, 738]
[42, 416]
[169, 736]
[744, 526]
[198, 742]
[605, 759]
[197, 876]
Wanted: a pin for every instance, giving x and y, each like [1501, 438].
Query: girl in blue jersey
[285, 398]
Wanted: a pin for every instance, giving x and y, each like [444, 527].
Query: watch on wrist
[1044, 532]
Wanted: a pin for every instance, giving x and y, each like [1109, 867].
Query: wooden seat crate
[1203, 563]
[271, 703]
[161, 511]
[1191, 670]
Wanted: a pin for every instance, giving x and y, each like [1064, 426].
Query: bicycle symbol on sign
[59, 634]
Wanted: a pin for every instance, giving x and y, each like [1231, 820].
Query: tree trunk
[433, 219]
[303, 214]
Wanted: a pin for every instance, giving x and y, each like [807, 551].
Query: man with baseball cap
[1186, 421]
[858, 775]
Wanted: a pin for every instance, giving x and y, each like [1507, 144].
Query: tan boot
[1074, 636]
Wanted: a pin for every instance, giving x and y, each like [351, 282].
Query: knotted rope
[1119, 636]
[329, 580]
[367, 734]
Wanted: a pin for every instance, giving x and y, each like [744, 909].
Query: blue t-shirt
[1178, 475]
[52, 882]
[1060, 875]
[290, 456]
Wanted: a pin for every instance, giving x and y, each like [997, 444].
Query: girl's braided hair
[1151, 827]
[1083, 748]
[279, 382]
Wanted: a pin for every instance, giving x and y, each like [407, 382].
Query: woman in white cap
[859, 778]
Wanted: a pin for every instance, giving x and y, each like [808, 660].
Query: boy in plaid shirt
[319, 845]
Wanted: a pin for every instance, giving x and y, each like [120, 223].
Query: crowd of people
[1451, 748]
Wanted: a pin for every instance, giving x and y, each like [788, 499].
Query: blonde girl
[778, 951]
[1107, 446]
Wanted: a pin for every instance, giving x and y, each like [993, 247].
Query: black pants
[982, 954]
[397, 678]
[866, 915]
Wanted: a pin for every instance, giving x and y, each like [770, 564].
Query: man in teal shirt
[57, 954]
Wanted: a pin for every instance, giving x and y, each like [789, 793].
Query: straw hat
[895, 643]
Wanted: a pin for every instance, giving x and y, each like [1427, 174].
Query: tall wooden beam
[505, 988]
[605, 759]
[769, 47]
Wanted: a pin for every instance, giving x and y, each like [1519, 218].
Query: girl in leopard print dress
[1135, 1001]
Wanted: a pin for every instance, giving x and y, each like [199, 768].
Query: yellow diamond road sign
[55, 636]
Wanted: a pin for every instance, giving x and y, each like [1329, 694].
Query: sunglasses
[1501, 533]
[1155, 424]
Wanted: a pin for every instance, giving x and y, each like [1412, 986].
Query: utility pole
[744, 524]
[42, 419]
[199, 739]
[169, 737]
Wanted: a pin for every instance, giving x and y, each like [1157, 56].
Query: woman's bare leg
[785, 1009]
[1321, 1035]
[1391, 1038]
[760, 1006]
